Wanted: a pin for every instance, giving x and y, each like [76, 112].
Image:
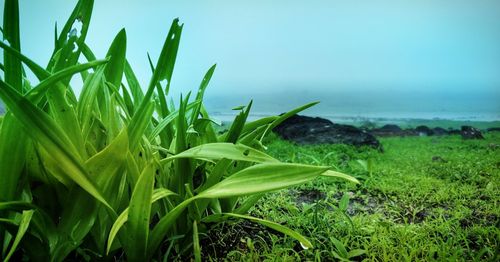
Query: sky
[433, 50]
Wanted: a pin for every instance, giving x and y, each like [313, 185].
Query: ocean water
[346, 106]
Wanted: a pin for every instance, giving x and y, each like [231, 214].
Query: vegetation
[422, 199]
[116, 173]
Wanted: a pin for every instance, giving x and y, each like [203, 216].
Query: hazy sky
[431, 46]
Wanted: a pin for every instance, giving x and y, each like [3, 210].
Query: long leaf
[216, 151]
[23, 226]
[280, 228]
[263, 178]
[49, 135]
[158, 194]
[139, 215]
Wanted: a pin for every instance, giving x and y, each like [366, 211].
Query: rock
[315, 130]
[469, 132]
[439, 131]
[424, 131]
[438, 159]
[392, 130]
[493, 129]
[452, 131]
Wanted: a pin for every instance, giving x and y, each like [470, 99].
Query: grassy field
[423, 198]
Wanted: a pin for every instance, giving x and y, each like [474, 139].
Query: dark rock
[392, 130]
[493, 129]
[469, 132]
[438, 159]
[424, 131]
[439, 131]
[316, 130]
[452, 131]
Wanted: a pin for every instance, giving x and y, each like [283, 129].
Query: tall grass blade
[23, 227]
[47, 133]
[285, 230]
[139, 215]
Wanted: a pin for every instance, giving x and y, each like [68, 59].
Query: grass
[409, 207]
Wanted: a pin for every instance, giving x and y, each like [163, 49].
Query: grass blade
[44, 130]
[263, 178]
[216, 151]
[285, 230]
[336, 174]
[139, 216]
[23, 227]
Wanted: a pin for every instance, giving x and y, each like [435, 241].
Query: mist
[441, 58]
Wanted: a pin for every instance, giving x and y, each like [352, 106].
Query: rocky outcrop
[315, 130]
[469, 132]
[424, 131]
[493, 129]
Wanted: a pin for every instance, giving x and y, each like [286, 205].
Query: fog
[357, 57]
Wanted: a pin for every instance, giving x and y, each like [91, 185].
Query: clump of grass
[117, 171]
[409, 206]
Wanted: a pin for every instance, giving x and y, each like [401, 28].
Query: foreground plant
[116, 170]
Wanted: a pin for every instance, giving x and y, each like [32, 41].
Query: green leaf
[36, 94]
[344, 202]
[46, 132]
[336, 174]
[285, 230]
[158, 194]
[196, 243]
[216, 151]
[17, 206]
[283, 117]
[13, 70]
[356, 253]
[262, 178]
[201, 92]
[139, 215]
[114, 69]
[23, 226]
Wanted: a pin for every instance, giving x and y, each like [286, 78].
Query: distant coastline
[453, 121]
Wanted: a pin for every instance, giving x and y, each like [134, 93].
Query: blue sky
[445, 46]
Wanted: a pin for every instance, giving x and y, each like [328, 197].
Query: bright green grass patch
[408, 208]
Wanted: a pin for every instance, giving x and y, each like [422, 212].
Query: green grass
[409, 207]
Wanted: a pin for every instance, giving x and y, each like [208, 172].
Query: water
[348, 106]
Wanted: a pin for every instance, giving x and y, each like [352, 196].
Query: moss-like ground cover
[423, 198]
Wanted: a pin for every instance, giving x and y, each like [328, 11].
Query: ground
[423, 198]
